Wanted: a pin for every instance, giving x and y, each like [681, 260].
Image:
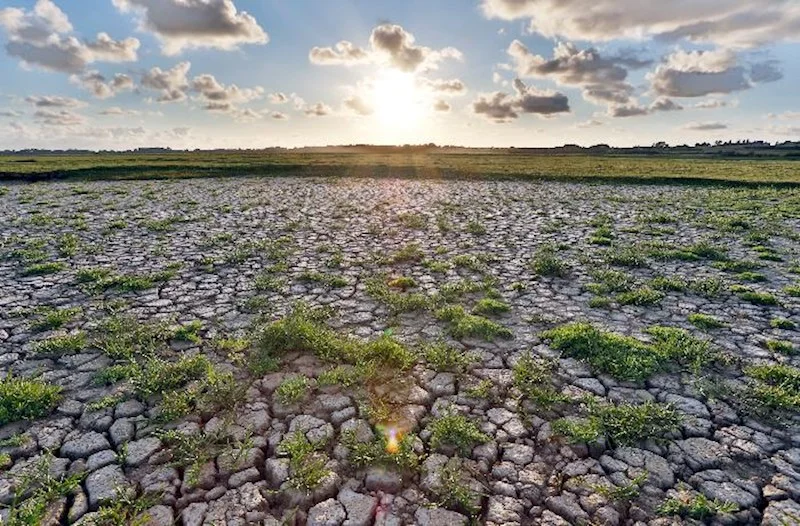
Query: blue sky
[256, 73]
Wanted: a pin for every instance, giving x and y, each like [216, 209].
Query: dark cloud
[442, 106]
[503, 107]
[187, 24]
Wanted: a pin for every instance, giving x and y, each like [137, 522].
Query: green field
[430, 165]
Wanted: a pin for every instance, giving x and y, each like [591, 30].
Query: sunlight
[397, 101]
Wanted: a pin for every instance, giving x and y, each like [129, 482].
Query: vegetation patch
[465, 325]
[26, 399]
[455, 430]
[623, 424]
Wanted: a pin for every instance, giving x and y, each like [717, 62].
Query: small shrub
[695, 505]
[307, 465]
[189, 332]
[50, 318]
[443, 357]
[374, 453]
[755, 297]
[546, 263]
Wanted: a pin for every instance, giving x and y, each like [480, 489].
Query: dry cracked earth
[393, 351]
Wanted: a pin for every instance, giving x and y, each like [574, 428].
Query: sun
[398, 103]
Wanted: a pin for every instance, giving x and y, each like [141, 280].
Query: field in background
[228, 164]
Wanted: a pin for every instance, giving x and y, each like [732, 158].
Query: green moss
[643, 296]
[782, 323]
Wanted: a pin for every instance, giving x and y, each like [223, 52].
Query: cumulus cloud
[219, 97]
[318, 110]
[171, 84]
[59, 117]
[102, 87]
[391, 45]
[701, 73]
[712, 104]
[665, 104]
[41, 37]
[445, 87]
[279, 116]
[358, 105]
[731, 23]
[343, 53]
[705, 126]
[278, 98]
[189, 24]
[10, 113]
[54, 101]
[441, 105]
[602, 79]
[503, 107]
[117, 111]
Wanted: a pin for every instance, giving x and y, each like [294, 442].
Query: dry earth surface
[334, 351]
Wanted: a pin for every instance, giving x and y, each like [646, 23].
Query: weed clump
[623, 424]
[465, 325]
[546, 263]
[307, 463]
[456, 430]
[26, 399]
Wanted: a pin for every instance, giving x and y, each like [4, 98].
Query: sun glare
[397, 101]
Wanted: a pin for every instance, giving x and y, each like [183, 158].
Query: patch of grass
[125, 509]
[307, 464]
[61, 345]
[481, 390]
[44, 269]
[454, 492]
[625, 257]
[189, 332]
[737, 266]
[476, 228]
[752, 277]
[608, 281]
[707, 287]
[776, 386]
[623, 424]
[327, 280]
[413, 221]
[26, 399]
[695, 506]
[99, 279]
[123, 337]
[456, 430]
[292, 390]
[781, 347]
[490, 306]
[193, 451]
[68, 244]
[344, 375]
[397, 302]
[36, 489]
[792, 290]
[624, 493]
[668, 283]
[677, 345]
[374, 452]
[643, 296]
[782, 323]
[705, 321]
[403, 283]
[546, 263]
[620, 356]
[443, 357]
[105, 402]
[753, 296]
[410, 253]
[468, 261]
[533, 376]
[465, 325]
[54, 318]
[267, 282]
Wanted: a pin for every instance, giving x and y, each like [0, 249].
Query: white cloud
[730, 23]
[221, 98]
[172, 83]
[117, 111]
[318, 110]
[445, 87]
[390, 45]
[502, 107]
[41, 38]
[441, 106]
[59, 117]
[189, 24]
[358, 105]
[278, 98]
[102, 87]
[53, 101]
[279, 116]
[701, 73]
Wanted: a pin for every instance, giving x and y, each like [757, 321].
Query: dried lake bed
[398, 351]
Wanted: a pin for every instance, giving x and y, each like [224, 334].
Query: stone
[439, 517]
[84, 445]
[194, 514]
[139, 451]
[326, 513]
[360, 508]
[102, 485]
[380, 479]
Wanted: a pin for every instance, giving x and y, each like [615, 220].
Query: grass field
[229, 164]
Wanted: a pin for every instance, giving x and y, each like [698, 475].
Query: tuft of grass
[695, 506]
[189, 332]
[411, 253]
[374, 453]
[456, 430]
[781, 346]
[443, 357]
[35, 491]
[620, 356]
[490, 306]
[327, 280]
[476, 228]
[677, 345]
[752, 277]
[54, 318]
[532, 376]
[292, 390]
[792, 290]
[546, 263]
[625, 257]
[623, 424]
[68, 244]
[643, 296]
[413, 221]
[754, 297]
[624, 493]
[307, 464]
[776, 386]
[61, 345]
[706, 321]
[403, 283]
[465, 325]
[782, 323]
[44, 269]
[397, 302]
[454, 492]
[26, 399]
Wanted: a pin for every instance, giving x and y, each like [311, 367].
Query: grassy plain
[427, 165]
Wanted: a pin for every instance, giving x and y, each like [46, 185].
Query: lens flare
[393, 437]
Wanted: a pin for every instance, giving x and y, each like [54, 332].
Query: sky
[120, 74]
